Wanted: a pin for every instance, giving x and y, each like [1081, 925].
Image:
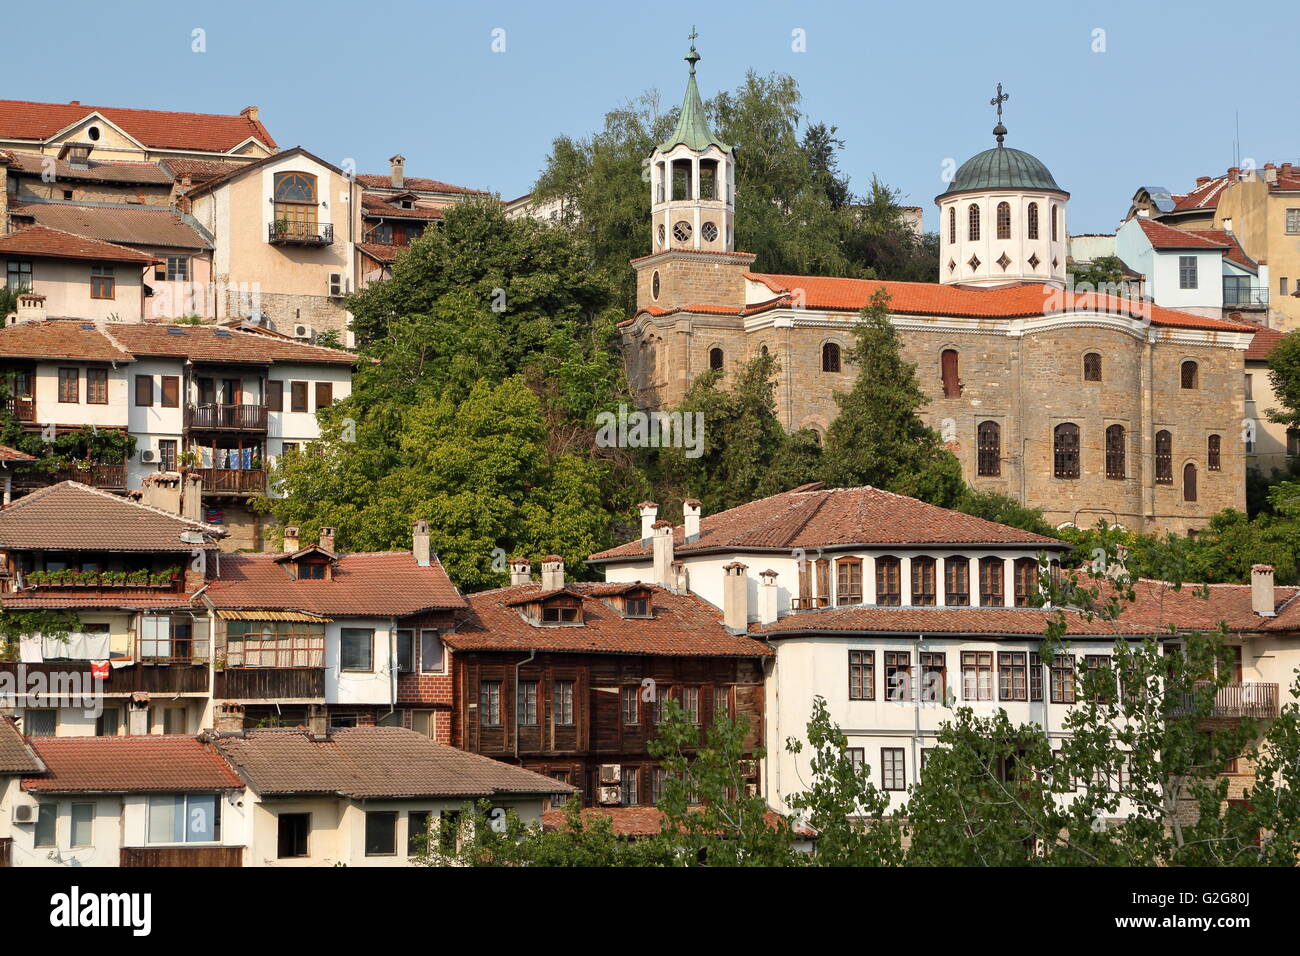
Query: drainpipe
[916, 708]
[392, 664]
[528, 660]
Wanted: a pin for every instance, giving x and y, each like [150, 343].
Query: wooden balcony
[270, 683]
[1242, 700]
[70, 678]
[196, 856]
[105, 477]
[23, 409]
[292, 232]
[233, 481]
[226, 418]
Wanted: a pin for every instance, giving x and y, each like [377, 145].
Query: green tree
[1284, 375]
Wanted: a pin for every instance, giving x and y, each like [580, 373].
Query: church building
[1086, 406]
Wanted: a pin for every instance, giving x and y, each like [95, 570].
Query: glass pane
[201, 818]
[381, 833]
[47, 817]
[430, 651]
[83, 819]
[166, 819]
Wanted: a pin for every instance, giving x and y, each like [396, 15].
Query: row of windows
[831, 357]
[925, 582]
[1002, 222]
[1066, 453]
[182, 818]
[949, 370]
[1019, 676]
[44, 721]
[633, 705]
[893, 769]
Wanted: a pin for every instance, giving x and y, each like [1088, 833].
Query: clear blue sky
[907, 84]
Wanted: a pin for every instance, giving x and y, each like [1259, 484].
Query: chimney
[691, 513]
[318, 722]
[1233, 173]
[521, 571]
[767, 598]
[735, 597]
[230, 717]
[137, 715]
[31, 307]
[1261, 590]
[1270, 174]
[1285, 170]
[681, 581]
[552, 572]
[191, 492]
[649, 512]
[1201, 181]
[397, 176]
[663, 545]
[420, 543]
[250, 113]
[326, 539]
[291, 539]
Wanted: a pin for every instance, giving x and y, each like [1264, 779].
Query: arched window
[1065, 450]
[1031, 224]
[1213, 447]
[923, 586]
[830, 357]
[1164, 458]
[952, 224]
[1004, 220]
[295, 187]
[1189, 482]
[1092, 367]
[956, 581]
[1115, 452]
[973, 222]
[1190, 375]
[715, 358]
[1055, 227]
[654, 277]
[1026, 575]
[988, 444]
[950, 372]
[295, 206]
[991, 589]
[889, 589]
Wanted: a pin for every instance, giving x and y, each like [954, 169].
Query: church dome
[1002, 168]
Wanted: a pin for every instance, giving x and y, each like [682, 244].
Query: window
[381, 833]
[1026, 578]
[102, 283]
[721, 702]
[324, 395]
[97, 386]
[1063, 679]
[629, 697]
[184, 818]
[418, 831]
[83, 824]
[628, 780]
[690, 701]
[297, 396]
[1092, 367]
[291, 837]
[1065, 450]
[661, 694]
[489, 703]
[1189, 482]
[275, 396]
[830, 357]
[892, 769]
[171, 391]
[431, 652]
[174, 720]
[109, 722]
[18, 273]
[1012, 676]
[952, 224]
[657, 778]
[977, 675]
[972, 222]
[178, 268]
[144, 391]
[295, 205]
[862, 675]
[923, 583]
[167, 453]
[898, 675]
[934, 676]
[1293, 221]
[636, 607]
[1187, 272]
[70, 385]
[1035, 677]
[716, 359]
[1189, 375]
[559, 799]
[1164, 458]
[988, 448]
[956, 581]
[1031, 223]
[950, 373]
[405, 651]
[1004, 220]
[42, 722]
[848, 581]
[564, 703]
[526, 705]
[356, 648]
[857, 757]
[991, 582]
[1213, 448]
[1098, 665]
[1115, 464]
[1056, 231]
[47, 821]
[888, 587]
[559, 614]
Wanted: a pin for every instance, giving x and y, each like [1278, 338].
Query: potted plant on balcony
[113, 578]
[188, 459]
[38, 578]
[163, 578]
[138, 578]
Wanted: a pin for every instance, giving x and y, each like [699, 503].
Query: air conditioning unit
[24, 813]
[148, 456]
[302, 330]
[339, 285]
[610, 796]
[611, 773]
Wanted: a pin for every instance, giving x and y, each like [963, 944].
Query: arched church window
[709, 231]
[708, 179]
[715, 359]
[1189, 482]
[1115, 464]
[1031, 224]
[950, 372]
[1004, 220]
[1189, 375]
[973, 222]
[1055, 222]
[662, 234]
[1065, 449]
[654, 282]
[1214, 453]
[952, 224]
[681, 230]
[1092, 367]
[988, 441]
[1164, 458]
[830, 357]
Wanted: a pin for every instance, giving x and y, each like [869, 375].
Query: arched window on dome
[973, 223]
[952, 224]
[1031, 225]
[1055, 222]
[1004, 220]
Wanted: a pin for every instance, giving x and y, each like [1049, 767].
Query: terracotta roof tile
[372, 762]
[199, 170]
[13, 454]
[415, 184]
[94, 171]
[684, 625]
[210, 343]
[157, 128]
[380, 252]
[16, 755]
[132, 225]
[1262, 345]
[144, 764]
[366, 584]
[60, 340]
[42, 241]
[636, 821]
[1235, 252]
[1162, 236]
[1202, 197]
[373, 206]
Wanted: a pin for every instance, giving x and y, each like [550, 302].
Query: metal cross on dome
[999, 131]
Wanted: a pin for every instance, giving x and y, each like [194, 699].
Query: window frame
[369, 839]
[925, 581]
[862, 665]
[280, 819]
[977, 675]
[889, 581]
[950, 596]
[988, 449]
[144, 391]
[1066, 443]
[69, 376]
[893, 767]
[1116, 441]
[103, 282]
[96, 386]
[354, 633]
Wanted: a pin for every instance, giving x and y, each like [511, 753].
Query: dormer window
[636, 607]
[311, 572]
[559, 614]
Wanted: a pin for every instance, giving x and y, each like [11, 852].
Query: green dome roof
[1001, 168]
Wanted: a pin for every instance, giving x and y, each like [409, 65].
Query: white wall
[49, 410]
[357, 687]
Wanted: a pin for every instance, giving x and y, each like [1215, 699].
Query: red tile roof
[1202, 197]
[684, 625]
[199, 170]
[366, 584]
[148, 174]
[105, 600]
[1168, 237]
[16, 755]
[636, 821]
[380, 252]
[1235, 252]
[1261, 346]
[132, 225]
[376, 206]
[13, 454]
[415, 184]
[60, 340]
[372, 762]
[156, 128]
[211, 343]
[817, 517]
[145, 764]
[43, 242]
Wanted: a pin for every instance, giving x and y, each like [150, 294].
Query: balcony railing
[238, 418]
[233, 481]
[23, 409]
[108, 477]
[1237, 296]
[1247, 699]
[103, 581]
[300, 233]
